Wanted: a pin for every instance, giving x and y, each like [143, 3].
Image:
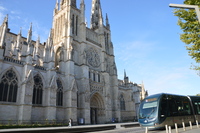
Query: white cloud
[142, 63]
[2, 15]
[15, 12]
[134, 50]
[169, 80]
[40, 30]
[2, 8]
[18, 20]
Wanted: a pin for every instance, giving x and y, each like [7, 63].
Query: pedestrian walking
[70, 122]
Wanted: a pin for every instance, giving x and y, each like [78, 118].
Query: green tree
[188, 22]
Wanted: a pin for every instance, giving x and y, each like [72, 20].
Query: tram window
[196, 107]
[163, 106]
[150, 105]
[186, 108]
[183, 106]
[179, 106]
[173, 109]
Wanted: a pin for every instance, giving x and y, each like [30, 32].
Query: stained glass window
[37, 90]
[9, 87]
[122, 103]
[59, 98]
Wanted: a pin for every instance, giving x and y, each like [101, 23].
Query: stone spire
[82, 2]
[29, 42]
[73, 3]
[29, 37]
[5, 20]
[96, 17]
[67, 2]
[126, 79]
[37, 46]
[124, 73]
[82, 8]
[47, 51]
[63, 3]
[36, 52]
[3, 31]
[49, 47]
[16, 49]
[50, 39]
[17, 44]
[56, 8]
[19, 36]
[82, 5]
[107, 22]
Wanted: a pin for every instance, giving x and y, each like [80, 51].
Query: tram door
[93, 115]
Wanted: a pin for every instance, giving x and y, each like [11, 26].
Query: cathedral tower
[65, 31]
[96, 16]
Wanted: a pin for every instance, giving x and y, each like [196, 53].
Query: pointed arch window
[99, 78]
[94, 77]
[59, 97]
[106, 35]
[122, 103]
[37, 90]
[73, 26]
[89, 75]
[9, 87]
[77, 99]
[76, 25]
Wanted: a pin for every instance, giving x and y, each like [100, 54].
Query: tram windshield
[148, 109]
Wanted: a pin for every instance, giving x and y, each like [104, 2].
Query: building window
[99, 80]
[73, 27]
[122, 103]
[37, 90]
[59, 98]
[8, 87]
[94, 79]
[77, 99]
[76, 25]
[89, 75]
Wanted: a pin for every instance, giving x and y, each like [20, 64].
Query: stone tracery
[93, 57]
[9, 87]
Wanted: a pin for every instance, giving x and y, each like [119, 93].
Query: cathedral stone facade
[71, 75]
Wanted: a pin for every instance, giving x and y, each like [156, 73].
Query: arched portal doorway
[97, 109]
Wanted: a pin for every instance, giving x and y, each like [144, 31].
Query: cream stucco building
[71, 75]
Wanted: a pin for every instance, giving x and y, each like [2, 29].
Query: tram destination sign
[151, 100]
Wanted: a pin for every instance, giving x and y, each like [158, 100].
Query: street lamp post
[195, 7]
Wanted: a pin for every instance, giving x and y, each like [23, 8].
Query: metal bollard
[176, 127]
[197, 123]
[190, 124]
[170, 129]
[146, 130]
[166, 127]
[183, 126]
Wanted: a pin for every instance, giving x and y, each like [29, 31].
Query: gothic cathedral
[71, 75]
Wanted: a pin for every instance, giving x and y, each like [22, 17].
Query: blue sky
[145, 35]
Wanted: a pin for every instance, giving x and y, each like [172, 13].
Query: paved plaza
[103, 128]
[140, 130]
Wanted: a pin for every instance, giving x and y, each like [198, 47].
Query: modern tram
[162, 109]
